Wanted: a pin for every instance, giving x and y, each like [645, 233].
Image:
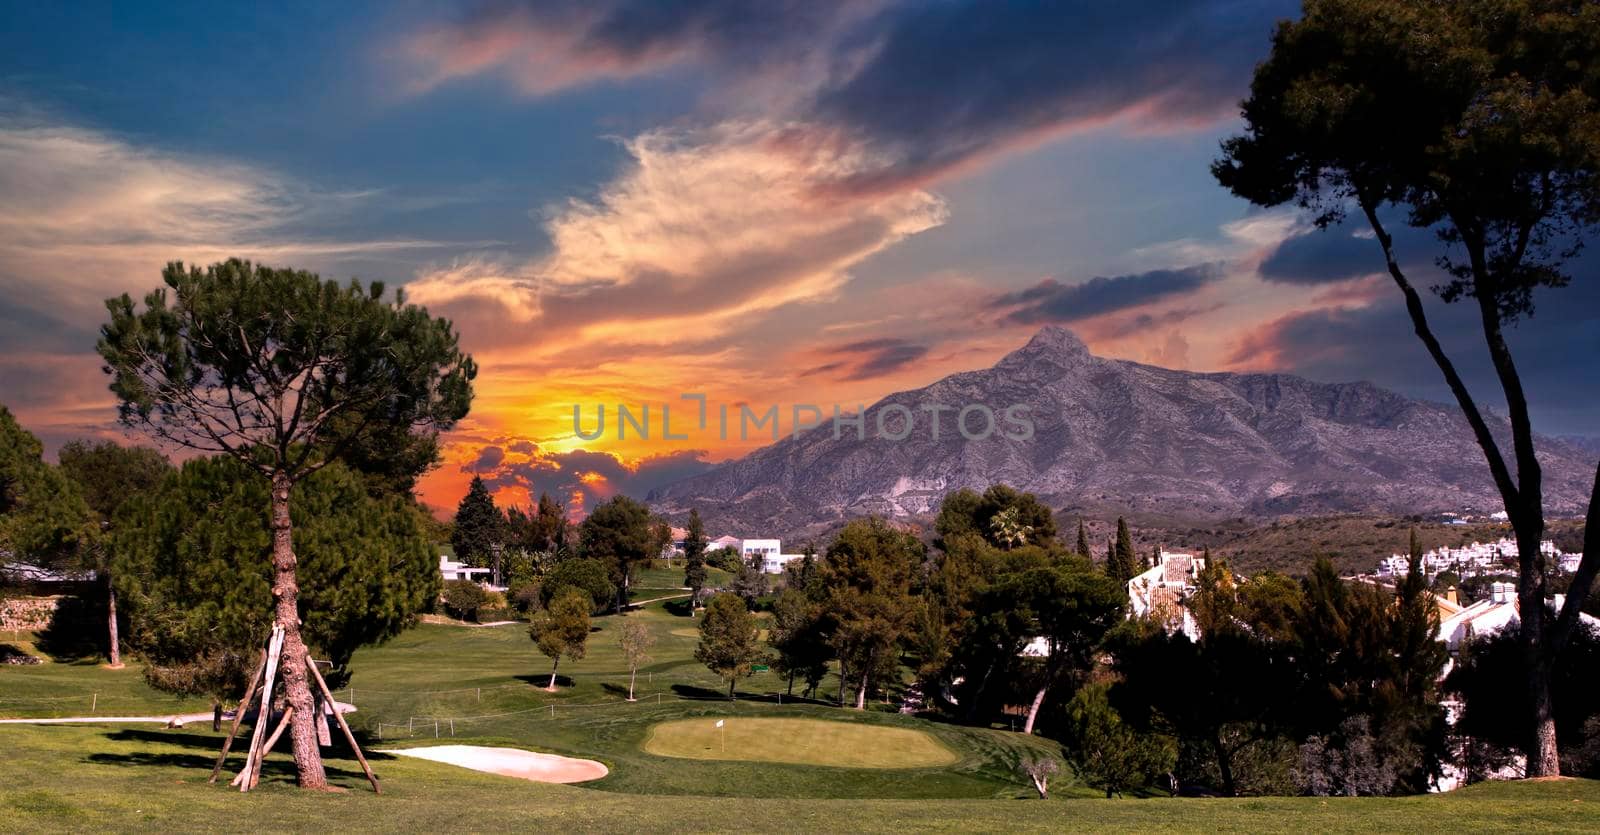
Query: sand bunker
[510, 762]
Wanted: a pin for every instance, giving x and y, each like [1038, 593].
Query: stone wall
[27, 614]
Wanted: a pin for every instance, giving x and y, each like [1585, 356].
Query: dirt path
[180, 718]
[634, 603]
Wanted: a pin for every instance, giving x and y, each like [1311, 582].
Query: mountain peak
[1056, 339]
[1054, 346]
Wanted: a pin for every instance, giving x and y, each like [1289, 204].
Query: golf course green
[799, 741]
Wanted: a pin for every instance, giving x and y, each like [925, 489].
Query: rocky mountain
[1125, 437]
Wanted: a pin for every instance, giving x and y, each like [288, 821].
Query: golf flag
[719, 723]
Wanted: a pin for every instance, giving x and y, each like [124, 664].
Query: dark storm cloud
[868, 358]
[549, 45]
[1336, 254]
[1554, 350]
[947, 82]
[926, 86]
[592, 476]
[1053, 301]
[488, 459]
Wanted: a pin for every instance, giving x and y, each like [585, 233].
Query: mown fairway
[801, 741]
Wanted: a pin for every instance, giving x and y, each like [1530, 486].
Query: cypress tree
[1083, 540]
[694, 553]
[1121, 564]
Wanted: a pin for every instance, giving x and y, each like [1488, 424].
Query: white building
[1160, 591]
[1486, 617]
[756, 551]
[777, 563]
[452, 570]
[1471, 560]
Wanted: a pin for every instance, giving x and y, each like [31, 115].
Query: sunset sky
[765, 202]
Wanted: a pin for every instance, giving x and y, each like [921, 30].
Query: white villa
[453, 570]
[765, 554]
[1472, 560]
[1161, 589]
[722, 542]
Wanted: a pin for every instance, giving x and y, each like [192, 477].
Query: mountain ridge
[1116, 432]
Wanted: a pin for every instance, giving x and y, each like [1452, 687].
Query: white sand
[510, 762]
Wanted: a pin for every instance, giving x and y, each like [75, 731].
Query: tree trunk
[1224, 764]
[1542, 752]
[633, 675]
[1033, 710]
[115, 654]
[216, 715]
[977, 695]
[1523, 497]
[731, 682]
[791, 682]
[286, 594]
[861, 695]
[553, 667]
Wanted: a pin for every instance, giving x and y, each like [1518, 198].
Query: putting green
[799, 741]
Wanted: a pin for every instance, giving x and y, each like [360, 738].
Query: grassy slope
[82, 778]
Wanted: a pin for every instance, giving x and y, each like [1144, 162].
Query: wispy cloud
[85, 215]
[702, 228]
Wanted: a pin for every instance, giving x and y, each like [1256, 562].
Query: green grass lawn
[80, 688]
[82, 778]
[799, 741]
[482, 686]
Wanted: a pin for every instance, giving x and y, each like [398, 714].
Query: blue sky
[621, 200]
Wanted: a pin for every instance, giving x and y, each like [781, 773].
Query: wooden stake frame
[266, 675]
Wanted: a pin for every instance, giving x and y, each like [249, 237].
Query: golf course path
[637, 603]
[180, 718]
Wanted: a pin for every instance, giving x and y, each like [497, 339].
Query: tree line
[1316, 685]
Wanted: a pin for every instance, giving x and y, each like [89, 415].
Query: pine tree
[42, 514]
[288, 373]
[694, 553]
[562, 629]
[867, 577]
[1083, 541]
[797, 637]
[108, 476]
[480, 529]
[729, 639]
[622, 534]
[192, 562]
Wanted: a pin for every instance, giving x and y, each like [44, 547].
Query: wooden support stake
[264, 713]
[324, 739]
[344, 726]
[255, 774]
[238, 716]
